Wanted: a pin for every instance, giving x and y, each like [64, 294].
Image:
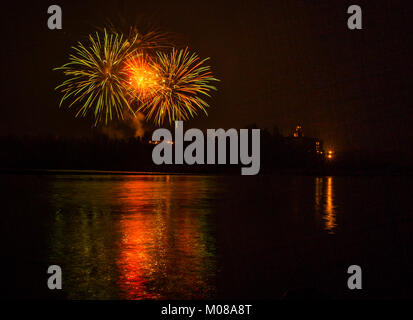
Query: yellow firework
[183, 82]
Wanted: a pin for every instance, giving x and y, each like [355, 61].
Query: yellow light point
[330, 154]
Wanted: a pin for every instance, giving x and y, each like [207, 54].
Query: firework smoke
[132, 126]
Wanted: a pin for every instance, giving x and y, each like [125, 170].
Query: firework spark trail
[183, 80]
[149, 41]
[96, 76]
[146, 38]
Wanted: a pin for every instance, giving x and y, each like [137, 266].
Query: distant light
[330, 154]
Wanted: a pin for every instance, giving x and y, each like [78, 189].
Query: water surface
[200, 237]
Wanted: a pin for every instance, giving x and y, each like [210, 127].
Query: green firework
[95, 76]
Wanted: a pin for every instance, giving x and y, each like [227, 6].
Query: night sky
[279, 62]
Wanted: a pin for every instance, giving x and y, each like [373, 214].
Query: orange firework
[143, 81]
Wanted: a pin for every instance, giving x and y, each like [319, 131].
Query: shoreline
[322, 173]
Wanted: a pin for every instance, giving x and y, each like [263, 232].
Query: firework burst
[96, 77]
[114, 72]
[183, 80]
[142, 82]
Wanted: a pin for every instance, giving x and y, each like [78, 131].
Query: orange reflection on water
[330, 214]
[163, 250]
[136, 263]
[142, 233]
[324, 202]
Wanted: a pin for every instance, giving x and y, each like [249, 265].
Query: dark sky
[279, 62]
